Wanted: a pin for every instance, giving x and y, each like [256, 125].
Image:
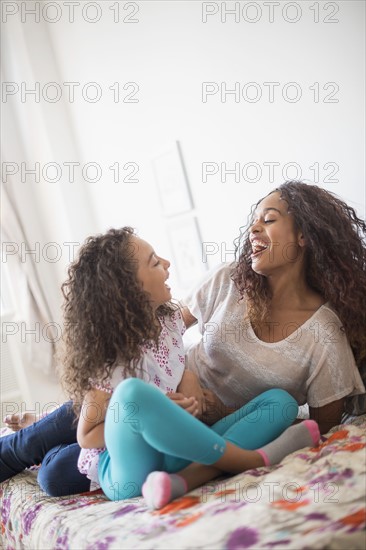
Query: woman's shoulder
[327, 314]
[327, 328]
[215, 286]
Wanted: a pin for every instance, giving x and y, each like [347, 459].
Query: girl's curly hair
[107, 315]
[335, 259]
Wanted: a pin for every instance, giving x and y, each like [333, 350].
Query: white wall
[169, 52]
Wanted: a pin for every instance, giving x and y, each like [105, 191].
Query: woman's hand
[214, 408]
[328, 416]
[189, 404]
[188, 318]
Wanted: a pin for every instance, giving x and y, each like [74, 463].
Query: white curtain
[32, 315]
[37, 213]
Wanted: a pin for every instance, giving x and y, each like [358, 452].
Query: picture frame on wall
[186, 245]
[172, 182]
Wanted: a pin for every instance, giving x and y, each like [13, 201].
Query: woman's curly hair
[335, 259]
[107, 315]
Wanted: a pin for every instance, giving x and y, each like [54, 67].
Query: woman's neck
[292, 293]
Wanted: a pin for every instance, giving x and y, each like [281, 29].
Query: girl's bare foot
[20, 420]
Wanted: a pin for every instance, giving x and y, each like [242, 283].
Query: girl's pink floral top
[162, 366]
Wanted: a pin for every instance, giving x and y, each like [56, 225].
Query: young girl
[124, 361]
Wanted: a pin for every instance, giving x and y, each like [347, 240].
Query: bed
[315, 498]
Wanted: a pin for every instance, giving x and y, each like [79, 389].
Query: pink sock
[160, 488]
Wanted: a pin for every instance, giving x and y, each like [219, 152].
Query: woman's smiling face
[276, 243]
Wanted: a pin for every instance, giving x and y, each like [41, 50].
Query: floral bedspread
[315, 498]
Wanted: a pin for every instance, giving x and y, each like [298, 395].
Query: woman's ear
[301, 240]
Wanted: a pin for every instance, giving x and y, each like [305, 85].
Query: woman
[291, 313]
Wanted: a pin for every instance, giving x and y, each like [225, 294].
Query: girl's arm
[90, 430]
[189, 394]
[328, 416]
[189, 385]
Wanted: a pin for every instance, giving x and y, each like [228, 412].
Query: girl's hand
[190, 404]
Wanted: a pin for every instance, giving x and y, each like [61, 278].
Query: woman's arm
[90, 430]
[210, 407]
[328, 416]
[214, 408]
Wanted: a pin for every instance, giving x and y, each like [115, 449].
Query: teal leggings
[146, 431]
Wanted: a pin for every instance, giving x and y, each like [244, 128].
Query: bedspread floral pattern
[314, 499]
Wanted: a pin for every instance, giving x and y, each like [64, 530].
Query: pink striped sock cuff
[313, 429]
[264, 456]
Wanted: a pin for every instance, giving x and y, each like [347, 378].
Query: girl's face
[152, 272]
[276, 244]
